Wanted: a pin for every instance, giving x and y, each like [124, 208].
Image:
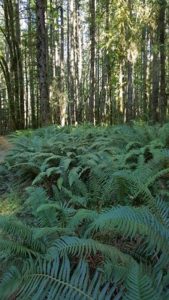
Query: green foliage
[97, 199]
[54, 279]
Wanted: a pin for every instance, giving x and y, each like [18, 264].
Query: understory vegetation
[92, 216]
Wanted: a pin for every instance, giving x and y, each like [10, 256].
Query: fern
[55, 279]
[9, 283]
[84, 247]
[94, 194]
[139, 286]
[130, 222]
[17, 239]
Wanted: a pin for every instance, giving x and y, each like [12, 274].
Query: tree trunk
[162, 38]
[144, 98]
[155, 87]
[129, 105]
[129, 108]
[12, 36]
[42, 58]
[62, 88]
[92, 60]
[31, 69]
[70, 62]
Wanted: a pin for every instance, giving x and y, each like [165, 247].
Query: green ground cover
[84, 214]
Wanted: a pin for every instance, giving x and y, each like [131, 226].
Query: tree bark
[92, 60]
[42, 58]
[162, 39]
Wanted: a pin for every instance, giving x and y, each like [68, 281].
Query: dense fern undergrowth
[94, 219]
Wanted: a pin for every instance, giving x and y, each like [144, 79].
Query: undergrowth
[95, 217]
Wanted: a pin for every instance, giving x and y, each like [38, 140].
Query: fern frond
[83, 247]
[38, 197]
[10, 283]
[49, 233]
[51, 280]
[12, 226]
[130, 222]
[139, 286]
[17, 238]
[15, 248]
[81, 216]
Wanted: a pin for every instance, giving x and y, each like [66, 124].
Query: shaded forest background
[69, 62]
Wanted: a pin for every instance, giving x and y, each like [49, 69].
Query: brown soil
[4, 148]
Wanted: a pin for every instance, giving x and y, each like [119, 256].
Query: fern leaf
[139, 286]
[129, 222]
[51, 280]
[83, 247]
[10, 283]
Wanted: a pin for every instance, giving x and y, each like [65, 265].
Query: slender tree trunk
[97, 100]
[71, 63]
[144, 99]
[27, 98]
[31, 69]
[78, 61]
[62, 51]
[121, 100]
[162, 39]
[19, 67]
[155, 87]
[7, 76]
[42, 58]
[129, 108]
[12, 36]
[92, 59]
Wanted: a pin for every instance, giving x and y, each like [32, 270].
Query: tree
[92, 26]
[13, 69]
[69, 62]
[162, 40]
[42, 63]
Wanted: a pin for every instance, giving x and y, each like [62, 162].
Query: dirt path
[4, 148]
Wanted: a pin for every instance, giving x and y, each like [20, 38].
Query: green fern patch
[94, 219]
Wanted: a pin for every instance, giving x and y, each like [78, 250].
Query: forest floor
[78, 201]
[4, 148]
[9, 202]
[2, 155]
